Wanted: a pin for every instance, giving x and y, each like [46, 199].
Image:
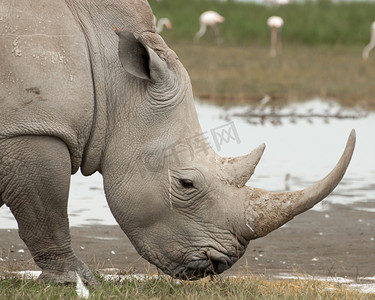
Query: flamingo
[277, 2]
[275, 24]
[371, 45]
[209, 19]
[161, 23]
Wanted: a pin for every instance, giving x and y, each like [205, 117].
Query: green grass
[311, 23]
[166, 288]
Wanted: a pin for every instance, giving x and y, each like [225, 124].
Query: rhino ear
[133, 55]
[138, 59]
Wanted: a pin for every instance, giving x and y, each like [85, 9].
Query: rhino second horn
[266, 211]
[239, 169]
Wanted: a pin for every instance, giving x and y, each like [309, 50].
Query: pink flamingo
[275, 24]
[159, 25]
[277, 2]
[209, 19]
[371, 45]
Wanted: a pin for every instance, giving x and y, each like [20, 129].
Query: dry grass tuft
[238, 75]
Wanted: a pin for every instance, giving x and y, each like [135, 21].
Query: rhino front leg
[34, 184]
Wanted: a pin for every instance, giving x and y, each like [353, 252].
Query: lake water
[303, 140]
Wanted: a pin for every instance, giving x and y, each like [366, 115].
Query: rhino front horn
[266, 211]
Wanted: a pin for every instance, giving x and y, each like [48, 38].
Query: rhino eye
[186, 183]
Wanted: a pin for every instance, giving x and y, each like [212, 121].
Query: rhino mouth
[212, 263]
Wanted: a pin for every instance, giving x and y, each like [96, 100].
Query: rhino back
[45, 76]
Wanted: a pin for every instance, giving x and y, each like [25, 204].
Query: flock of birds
[210, 20]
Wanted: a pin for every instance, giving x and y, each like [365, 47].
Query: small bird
[264, 100]
[371, 45]
[81, 290]
[209, 19]
[159, 25]
[275, 23]
[287, 181]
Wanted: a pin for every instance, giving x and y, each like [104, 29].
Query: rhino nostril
[219, 267]
[218, 263]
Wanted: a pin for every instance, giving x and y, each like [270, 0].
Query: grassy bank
[236, 75]
[165, 288]
[311, 23]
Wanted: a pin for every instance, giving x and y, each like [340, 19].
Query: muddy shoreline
[339, 242]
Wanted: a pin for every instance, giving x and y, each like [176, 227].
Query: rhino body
[89, 84]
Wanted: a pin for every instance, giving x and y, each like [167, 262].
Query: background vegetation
[321, 56]
[242, 75]
[309, 23]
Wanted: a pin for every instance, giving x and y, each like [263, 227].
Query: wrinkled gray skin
[76, 93]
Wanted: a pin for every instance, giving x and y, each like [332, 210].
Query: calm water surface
[306, 148]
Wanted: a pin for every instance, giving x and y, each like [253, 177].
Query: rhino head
[186, 209]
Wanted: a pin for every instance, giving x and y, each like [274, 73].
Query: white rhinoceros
[76, 93]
